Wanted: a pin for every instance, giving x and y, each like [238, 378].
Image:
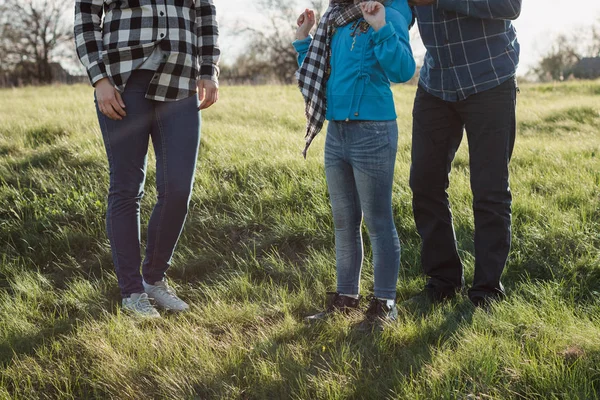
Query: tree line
[563, 59]
[36, 37]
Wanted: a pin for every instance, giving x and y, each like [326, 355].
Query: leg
[491, 126]
[176, 137]
[437, 133]
[126, 144]
[347, 215]
[373, 155]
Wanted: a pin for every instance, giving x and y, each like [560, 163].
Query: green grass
[257, 255]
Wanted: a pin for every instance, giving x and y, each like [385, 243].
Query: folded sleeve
[207, 33]
[88, 37]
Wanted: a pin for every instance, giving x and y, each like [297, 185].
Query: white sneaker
[165, 296]
[138, 304]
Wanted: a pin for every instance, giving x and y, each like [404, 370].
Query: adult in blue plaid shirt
[467, 83]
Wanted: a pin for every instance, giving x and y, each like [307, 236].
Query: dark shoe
[485, 301]
[378, 315]
[335, 303]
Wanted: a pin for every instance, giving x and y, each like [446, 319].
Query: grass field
[257, 255]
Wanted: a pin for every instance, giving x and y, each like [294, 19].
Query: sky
[539, 22]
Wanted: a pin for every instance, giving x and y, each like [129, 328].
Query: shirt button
[162, 13]
[356, 114]
[162, 35]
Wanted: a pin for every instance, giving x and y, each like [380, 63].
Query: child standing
[345, 74]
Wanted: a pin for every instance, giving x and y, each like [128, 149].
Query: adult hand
[374, 14]
[305, 23]
[208, 93]
[417, 3]
[109, 100]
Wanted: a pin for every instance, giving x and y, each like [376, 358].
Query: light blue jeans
[359, 165]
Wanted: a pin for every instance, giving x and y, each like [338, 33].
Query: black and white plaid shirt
[113, 47]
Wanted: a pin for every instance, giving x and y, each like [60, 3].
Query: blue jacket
[363, 62]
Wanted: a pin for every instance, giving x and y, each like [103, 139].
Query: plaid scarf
[314, 71]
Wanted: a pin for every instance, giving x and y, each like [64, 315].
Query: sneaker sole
[169, 309]
[136, 314]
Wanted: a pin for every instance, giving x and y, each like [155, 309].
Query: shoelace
[167, 289]
[375, 306]
[143, 303]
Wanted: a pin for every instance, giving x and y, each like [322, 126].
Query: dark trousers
[175, 131]
[490, 122]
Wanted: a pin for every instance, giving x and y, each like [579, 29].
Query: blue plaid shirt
[471, 46]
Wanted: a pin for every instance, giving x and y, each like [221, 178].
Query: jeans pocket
[376, 127]
[380, 131]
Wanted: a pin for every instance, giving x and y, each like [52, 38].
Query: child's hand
[305, 22]
[374, 14]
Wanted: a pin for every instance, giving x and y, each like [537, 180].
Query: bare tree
[593, 48]
[568, 49]
[34, 33]
[270, 53]
[559, 60]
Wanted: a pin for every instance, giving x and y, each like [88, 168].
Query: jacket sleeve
[484, 9]
[88, 37]
[207, 33]
[301, 47]
[393, 51]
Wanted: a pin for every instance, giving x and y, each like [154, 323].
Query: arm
[485, 9]
[392, 42]
[88, 37]
[207, 33]
[88, 42]
[207, 36]
[301, 47]
[393, 51]
[305, 23]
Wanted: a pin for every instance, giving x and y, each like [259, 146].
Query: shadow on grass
[67, 317]
[378, 362]
[17, 345]
[375, 362]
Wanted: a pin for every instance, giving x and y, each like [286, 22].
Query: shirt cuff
[386, 32]
[209, 72]
[96, 71]
[302, 45]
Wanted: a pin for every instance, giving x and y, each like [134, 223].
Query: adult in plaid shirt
[147, 59]
[467, 83]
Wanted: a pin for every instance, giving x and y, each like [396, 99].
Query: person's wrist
[301, 35]
[100, 82]
[378, 25]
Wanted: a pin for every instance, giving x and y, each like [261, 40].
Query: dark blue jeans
[359, 165]
[175, 131]
[489, 120]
